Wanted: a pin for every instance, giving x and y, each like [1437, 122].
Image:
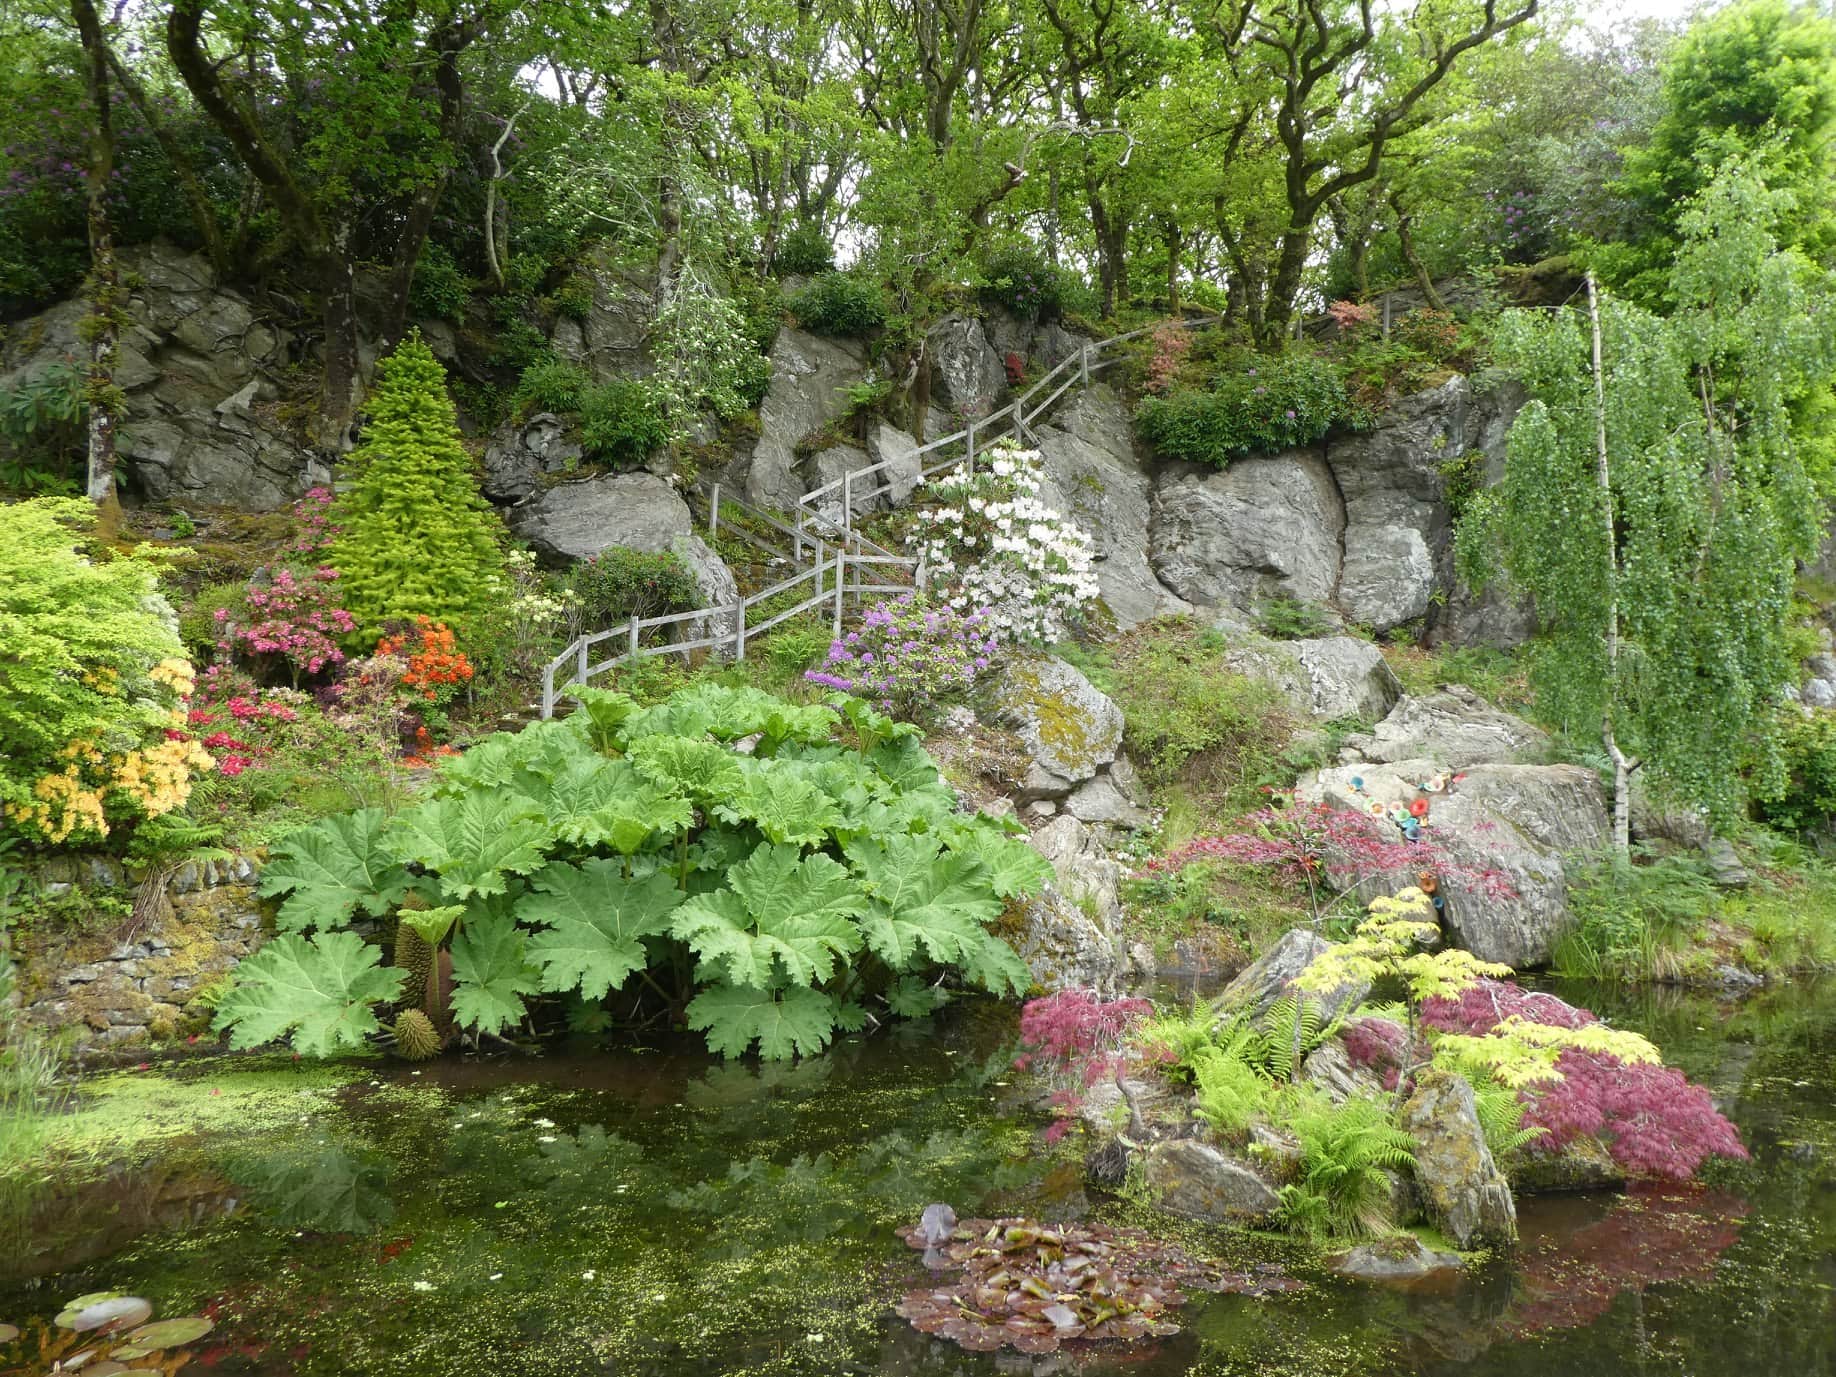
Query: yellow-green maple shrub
[417, 539]
[93, 683]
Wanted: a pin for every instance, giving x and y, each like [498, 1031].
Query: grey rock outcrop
[808, 373]
[1454, 727]
[1463, 1191]
[1513, 822]
[1070, 935]
[1330, 1069]
[1327, 678]
[1271, 976]
[885, 487]
[612, 339]
[518, 457]
[1192, 1179]
[199, 365]
[1404, 1258]
[968, 376]
[1262, 528]
[1068, 728]
[575, 521]
[1088, 450]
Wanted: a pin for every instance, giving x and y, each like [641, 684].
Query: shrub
[908, 655]
[314, 528]
[1274, 404]
[806, 251]
[621, 422]
[200, 627]
[1171, 343]
[438, 288]
[292, 621]
[1019, 280]
[1290, 619]
[1190, 715]
[417, 539]
[751, 885]
[527, 612]
[840, 304]
[1805, 798]
[991, 544]
[1652, 1120]
[618, 583]
[92, 696]
[552, 384]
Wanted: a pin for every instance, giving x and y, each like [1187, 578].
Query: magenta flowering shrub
[1078, 1039]
[908, 655]
[312, 514]
[294, 621]
[1651, 1119]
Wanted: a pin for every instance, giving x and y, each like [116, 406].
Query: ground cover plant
[817, 881]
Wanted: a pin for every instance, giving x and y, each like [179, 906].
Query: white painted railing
[835, 547]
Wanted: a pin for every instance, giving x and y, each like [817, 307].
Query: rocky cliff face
[1360, 525]
[200, 365]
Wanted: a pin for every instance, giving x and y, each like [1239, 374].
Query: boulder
[968, 376]
[519, 456]
[1327, 678]
[887, 444]
[1067, 728]
[1100, 801]
[1331, 1070]
[1088, 450]
[1262, 528]
[1462, 1190]
[1454, 727]
[808, 373]
[1070, 934]
[1192, 1179]
[1583, 1165]
[612, 340]
[1266, 979]
[1401, 1258]
[1517, 822]
[575, 521]
[1387, 578]
[198, 364]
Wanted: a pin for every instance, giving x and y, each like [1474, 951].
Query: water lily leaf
[8, 1332]
[119, 1312]
[71, 1308]
[170, 1333]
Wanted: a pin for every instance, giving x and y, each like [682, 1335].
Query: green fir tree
[417, 539]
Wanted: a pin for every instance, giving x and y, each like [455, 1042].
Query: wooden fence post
[583, 661]
[739, 634]
[841, 571]
[714, 515]
[548, 691]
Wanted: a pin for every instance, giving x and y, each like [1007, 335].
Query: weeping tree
[1659, 489]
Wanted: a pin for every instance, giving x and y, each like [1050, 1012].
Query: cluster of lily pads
[107, 1334]
[1033, 1287]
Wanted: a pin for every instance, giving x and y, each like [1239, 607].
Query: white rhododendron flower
[994, 542]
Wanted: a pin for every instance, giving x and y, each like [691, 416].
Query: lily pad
[8, 1332]
[150, 1338]
[66, 1318]
[109, 1316]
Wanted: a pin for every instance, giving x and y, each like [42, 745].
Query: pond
[651, 1213]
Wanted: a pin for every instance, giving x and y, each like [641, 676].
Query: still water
[655, 1213]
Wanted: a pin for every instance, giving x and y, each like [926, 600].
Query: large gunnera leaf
[923, 902]
[781, 908]
[473, 841]
[318, 988]
[680, 766]
[330, 868]
[491, 974]
[782, 806]
[1014, 868]
[595, 921]
[784, 1023]
[596, 802]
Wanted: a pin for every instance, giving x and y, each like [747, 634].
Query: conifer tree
[417, 539]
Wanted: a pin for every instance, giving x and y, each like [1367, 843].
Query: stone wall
[113, 980]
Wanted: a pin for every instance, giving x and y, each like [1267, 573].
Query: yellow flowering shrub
[93, 684]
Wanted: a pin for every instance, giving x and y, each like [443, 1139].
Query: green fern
[1233, 1088]
[1501, 1119]
[1345, 1150]
[1292, 1028]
